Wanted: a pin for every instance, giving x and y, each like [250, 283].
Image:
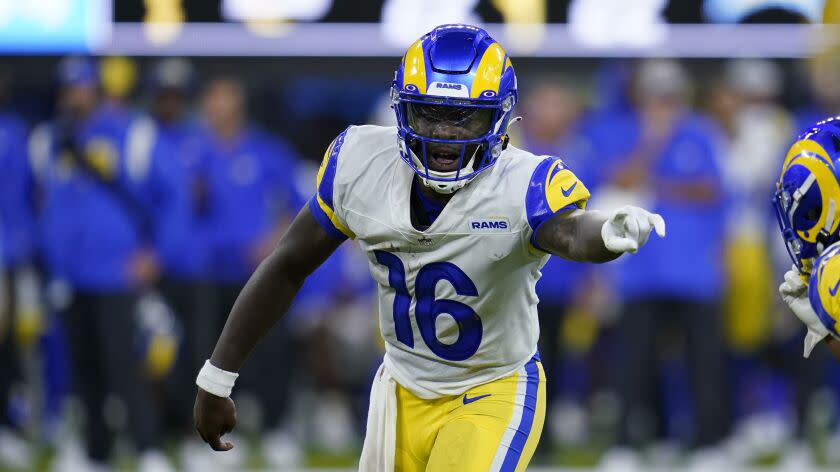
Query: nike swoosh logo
[833, 291]
[566, 193]
[468, 400]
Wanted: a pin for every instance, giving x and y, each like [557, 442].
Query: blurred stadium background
[122, 257]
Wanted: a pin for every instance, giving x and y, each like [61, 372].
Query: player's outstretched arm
[592, 236]
[262, 302]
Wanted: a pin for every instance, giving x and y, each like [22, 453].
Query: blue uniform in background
[119, 115]
[687, 264]
[250, 189]
[92, 226]
[250, 183]
[185, 150]
[671, 293]
[109, 193]
[16, 210]
[186, 273]
[16, 245]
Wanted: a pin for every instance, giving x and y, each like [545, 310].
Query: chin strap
[829, 220]
[825, 233]
[506, 137]
[799, 193]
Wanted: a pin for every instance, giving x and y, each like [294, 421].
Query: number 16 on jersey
[427, 308]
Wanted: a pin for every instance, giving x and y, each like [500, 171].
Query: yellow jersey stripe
[323, 166]
[334, 219]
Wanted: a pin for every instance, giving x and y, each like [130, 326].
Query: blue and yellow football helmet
[808, 194]
[455, 74]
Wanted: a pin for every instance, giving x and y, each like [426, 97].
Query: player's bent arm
[271, 289]
[265, 298]
[575, 235]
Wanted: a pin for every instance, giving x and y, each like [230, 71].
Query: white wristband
[215, 380]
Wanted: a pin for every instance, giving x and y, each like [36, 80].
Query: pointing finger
[658, 224]
[644, 231]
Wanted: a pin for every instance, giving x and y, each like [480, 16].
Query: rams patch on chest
[489, 225]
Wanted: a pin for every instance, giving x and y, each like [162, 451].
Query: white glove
[628, 228]
[795, 293]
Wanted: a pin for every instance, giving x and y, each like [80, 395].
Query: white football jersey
[457, 302]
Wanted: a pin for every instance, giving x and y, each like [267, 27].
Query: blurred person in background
[250, 194]
[117, 79]
[111, 210]
[185, 282]
[250, 185]
[760, 128]
[671, 293]
[747, 105]
[554, 124]
[16, 252]
[823, 72]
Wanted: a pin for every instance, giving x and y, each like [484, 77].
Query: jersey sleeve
[323, 203]
[553, 189]
[824, 289]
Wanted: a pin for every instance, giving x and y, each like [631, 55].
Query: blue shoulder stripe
[322, 204]
[326, 173]
[553, 189]
[536, 205]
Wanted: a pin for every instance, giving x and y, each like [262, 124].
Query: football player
[456, 224]
[806, 202]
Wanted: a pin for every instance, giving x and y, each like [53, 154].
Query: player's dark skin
[305, 246]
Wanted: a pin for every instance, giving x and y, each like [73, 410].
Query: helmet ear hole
[814, 214]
